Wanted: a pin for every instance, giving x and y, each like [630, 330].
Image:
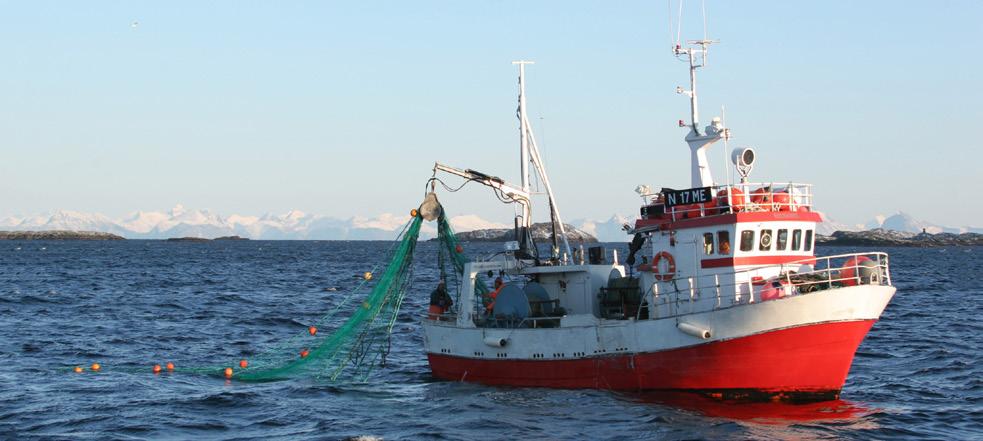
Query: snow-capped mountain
[828, 226]
[611, 230]
[183, 222]
[64, 220]
[902, 221]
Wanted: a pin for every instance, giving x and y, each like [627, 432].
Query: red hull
[810, 360]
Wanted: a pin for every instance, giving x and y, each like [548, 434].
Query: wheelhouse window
[723, 242]
[708, 243]
[808, 242]
[796, 240]
[764, 242]
[747, 240]
[782, 242]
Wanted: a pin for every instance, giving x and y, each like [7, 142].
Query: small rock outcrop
[202, 239]
[188, 239]
[892, 238]
[58, 235]
[231, 238]
[540, 232]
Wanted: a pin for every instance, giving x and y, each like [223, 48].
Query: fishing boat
[721, 291]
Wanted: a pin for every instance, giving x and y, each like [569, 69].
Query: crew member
[494, 295]
[440, 301]
[724, 246]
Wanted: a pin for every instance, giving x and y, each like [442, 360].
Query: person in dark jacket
[440, 301]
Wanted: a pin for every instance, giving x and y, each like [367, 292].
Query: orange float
[848, 274]
[78, 369]
[737, 198]
[686, 211]
[312, 330]
[709, 207]
[781, 201]
[156, 368]
[304, 353]
[228, 372]
[96, 367]
[762, 196]
[775, 289]
[243, 363]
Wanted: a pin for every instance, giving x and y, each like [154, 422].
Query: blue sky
[342, 108]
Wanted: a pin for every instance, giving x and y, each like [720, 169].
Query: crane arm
[495, 182]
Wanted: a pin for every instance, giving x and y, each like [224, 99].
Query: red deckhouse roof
[724, 206]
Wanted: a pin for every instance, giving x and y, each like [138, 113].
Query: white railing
[692, 295]
[744, 197]
[810, 276]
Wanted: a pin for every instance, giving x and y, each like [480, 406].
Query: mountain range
[899, 221]
[183, 222]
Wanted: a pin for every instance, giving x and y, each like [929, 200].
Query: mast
[523, 142]
[529, 150]
[523, 128]
[698, 142]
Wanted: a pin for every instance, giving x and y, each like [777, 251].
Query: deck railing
[693, 295]
[744, 197]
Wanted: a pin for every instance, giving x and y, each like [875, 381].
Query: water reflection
[771, 413]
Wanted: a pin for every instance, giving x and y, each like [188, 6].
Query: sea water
[918, 374]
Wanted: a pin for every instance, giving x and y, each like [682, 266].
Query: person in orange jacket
[492, 296]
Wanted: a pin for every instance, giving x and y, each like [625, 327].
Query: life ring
[765, 242]
[671, 269]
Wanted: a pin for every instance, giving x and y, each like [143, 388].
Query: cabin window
[764, 243]
[723, 242]
[796, 240]
[747, 240]
[808, 242]
[708, 243]
[782, 242]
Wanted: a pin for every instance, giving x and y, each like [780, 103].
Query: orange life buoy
[762, 197]
[737, 199]
[671, 269]
[850, 273]
[781, 201]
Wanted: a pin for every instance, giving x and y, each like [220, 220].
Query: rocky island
[540, 232]
[202, 239]
[231, 238]
[187, 239]
[892, 238]
[58, 235]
